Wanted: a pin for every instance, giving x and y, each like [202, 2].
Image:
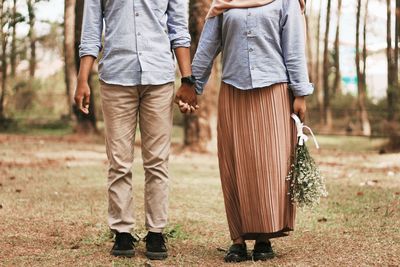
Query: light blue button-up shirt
[260, 46]
[138, 41]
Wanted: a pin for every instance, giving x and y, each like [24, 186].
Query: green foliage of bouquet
[307, 185]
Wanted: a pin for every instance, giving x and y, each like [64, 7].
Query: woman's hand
[300, 107]
[186, 98]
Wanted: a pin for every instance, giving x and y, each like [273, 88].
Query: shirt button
[140, 53]
[251, 50]
[249, 14]
[138, 34]
[137, 14]
[252, 68]
[249, 32]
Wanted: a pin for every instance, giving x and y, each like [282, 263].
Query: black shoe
[124, 245]
[155, 246]
[263, 251]
[236, 253]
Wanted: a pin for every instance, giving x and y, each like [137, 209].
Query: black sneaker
[124, 245]
[263, 251]
[236, 253]
[155, 246]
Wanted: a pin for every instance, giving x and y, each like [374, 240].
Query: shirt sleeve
[294, 52]
[92, 29]
[209, 47]
[177, 22]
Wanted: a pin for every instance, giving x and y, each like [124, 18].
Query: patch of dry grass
[54, 203]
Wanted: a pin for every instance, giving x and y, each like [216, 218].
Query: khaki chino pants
[123, 107]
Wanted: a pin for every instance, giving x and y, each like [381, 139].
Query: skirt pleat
[256, 141]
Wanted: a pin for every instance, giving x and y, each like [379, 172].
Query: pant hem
[155, 230]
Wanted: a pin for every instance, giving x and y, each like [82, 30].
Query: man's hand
[82, 92]
[300, 107]
[82, 96]
[186, 98]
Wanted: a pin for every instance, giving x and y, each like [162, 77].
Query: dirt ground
[53, 205]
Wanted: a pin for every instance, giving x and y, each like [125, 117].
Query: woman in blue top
[264, 80]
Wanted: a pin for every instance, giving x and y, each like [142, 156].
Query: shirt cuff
[199, 87]
[180, 41]
[302, 89]
[89, 50]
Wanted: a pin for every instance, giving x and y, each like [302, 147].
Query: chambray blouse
[139, 38]
[260, 47]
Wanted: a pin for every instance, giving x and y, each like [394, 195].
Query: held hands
[82, 96]
[186, 98]
[300, 107]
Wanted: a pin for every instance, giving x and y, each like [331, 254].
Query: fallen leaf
[1, 206]
[397, 193]
[12, 178]
[323, 219]
[360, 193]
[18, 190]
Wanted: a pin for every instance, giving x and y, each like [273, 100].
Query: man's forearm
[184, 61]
[85, 68]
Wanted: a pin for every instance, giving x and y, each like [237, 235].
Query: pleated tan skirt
[256, 141]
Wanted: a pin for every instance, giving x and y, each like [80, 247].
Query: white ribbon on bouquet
[300, 134]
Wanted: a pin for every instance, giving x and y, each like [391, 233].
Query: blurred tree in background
[197, 127]
[33, 93]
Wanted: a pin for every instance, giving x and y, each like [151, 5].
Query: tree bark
[337, 81]
[69, 51]
[396, 48]
[361, 71]
[392, 94]
[13, 55]
[4, 20]
[197, 128]
[86, 123]
[317, 71]
[32, 37]
[309, 44]
[327, 108]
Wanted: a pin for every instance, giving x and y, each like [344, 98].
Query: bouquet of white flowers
[306, 182]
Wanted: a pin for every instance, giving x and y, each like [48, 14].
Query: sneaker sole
[156, 255]
[235, 259]
[263, 256]
[123, 253]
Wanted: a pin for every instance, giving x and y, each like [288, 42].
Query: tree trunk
[309, 45]
[86, 123]
[317, 71]
[32, 37]
[197, 132]
[337, 81]
[13, 55]
[326, 89]
[361, 72]
[396, 48]
[4, 12]
[392, 94]
[69, 51]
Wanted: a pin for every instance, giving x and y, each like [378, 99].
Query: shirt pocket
[269, 25]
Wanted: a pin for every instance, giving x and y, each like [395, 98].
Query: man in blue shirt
[137, 74]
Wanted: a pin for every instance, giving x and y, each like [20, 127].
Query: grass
[54, 203]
